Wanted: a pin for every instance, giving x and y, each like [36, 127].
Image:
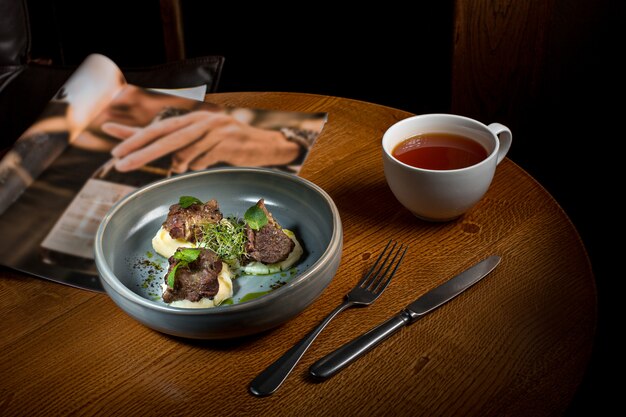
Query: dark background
[562, 109]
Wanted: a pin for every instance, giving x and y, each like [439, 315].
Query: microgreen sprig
[226, 238]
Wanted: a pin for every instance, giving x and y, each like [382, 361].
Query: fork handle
[335, 361]
[273, 376]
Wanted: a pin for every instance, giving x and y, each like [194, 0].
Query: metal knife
[332, 363]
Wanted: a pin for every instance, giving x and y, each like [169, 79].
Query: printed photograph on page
[138, 136]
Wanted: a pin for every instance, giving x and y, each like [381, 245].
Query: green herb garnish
[186, 201]
[226, 238]
[255, 217]
[252, 296]
[185, 256]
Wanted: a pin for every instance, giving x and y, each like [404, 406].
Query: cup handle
[505, 137]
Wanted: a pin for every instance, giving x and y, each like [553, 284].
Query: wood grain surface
[516, 344]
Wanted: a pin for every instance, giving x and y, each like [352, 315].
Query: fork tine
[367, 276]
[382, 283]
[378, 279]
[373, 283]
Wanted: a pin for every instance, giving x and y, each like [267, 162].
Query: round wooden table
[516, 344]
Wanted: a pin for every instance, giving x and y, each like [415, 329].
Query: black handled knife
[332, 363]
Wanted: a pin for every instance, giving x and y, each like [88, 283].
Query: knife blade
[335, 361]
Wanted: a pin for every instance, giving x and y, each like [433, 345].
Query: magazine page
[138, 136]
[194, 93]
[94, 83]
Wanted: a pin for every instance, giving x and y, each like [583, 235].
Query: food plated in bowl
[206, 251]
[133, 273]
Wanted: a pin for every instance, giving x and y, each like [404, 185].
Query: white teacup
[441, 195]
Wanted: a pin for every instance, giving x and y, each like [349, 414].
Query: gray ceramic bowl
[131, 274]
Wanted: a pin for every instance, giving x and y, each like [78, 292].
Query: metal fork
[369, 288]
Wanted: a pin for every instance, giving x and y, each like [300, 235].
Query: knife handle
[335, 361]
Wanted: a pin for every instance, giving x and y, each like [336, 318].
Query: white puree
[165, 246]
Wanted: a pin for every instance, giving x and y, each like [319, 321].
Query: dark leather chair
[14, 39]
[26, 86]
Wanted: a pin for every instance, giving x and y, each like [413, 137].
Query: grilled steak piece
[196, 280]
[187, 223]
[268, 244]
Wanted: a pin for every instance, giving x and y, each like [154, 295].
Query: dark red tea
[439, 151]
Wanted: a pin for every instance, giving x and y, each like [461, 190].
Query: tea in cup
[439, 166]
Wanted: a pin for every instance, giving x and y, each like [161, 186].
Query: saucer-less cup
[442, 195]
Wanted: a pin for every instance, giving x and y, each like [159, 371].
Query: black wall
[388, 56]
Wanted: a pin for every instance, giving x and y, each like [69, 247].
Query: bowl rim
[112, 282]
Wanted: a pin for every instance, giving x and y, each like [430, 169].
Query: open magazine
[99, 138]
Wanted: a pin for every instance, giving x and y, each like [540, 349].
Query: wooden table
[516, 344]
